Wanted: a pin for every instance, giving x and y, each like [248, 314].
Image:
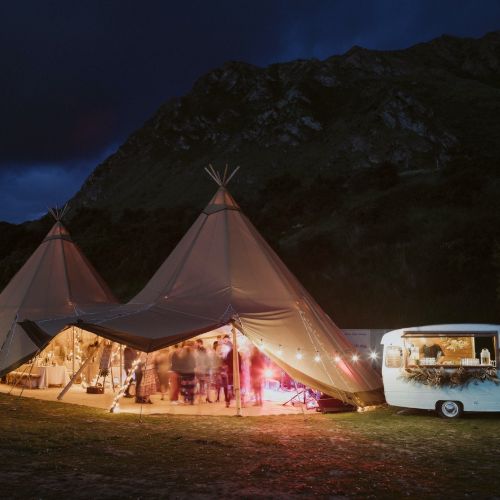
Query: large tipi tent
[56, 281]
[223, 270]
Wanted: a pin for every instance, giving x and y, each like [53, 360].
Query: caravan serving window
[451, 350]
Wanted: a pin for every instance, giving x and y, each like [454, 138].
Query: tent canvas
[223, 270]
[56, 281]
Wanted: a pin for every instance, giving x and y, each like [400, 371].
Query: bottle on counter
[485, 357]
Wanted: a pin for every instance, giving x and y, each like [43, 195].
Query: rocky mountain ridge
[359, 110]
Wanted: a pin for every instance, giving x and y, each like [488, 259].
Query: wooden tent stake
[223, 180]
[216, 175]
[231, 176]
[212, 176]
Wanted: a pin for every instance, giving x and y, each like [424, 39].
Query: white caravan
[447, 368]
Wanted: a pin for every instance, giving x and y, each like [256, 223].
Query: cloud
[27, 191]
[26, 194]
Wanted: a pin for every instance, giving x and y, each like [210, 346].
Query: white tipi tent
[223, 270]
[56, 281]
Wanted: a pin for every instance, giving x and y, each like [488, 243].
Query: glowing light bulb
[317, 358]
[355, 357]
[337, 359]
[373, 355]
[279, 352]
[298, 355]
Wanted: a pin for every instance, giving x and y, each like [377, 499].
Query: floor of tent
[272, 402]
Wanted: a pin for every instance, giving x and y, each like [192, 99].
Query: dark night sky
[78, 77]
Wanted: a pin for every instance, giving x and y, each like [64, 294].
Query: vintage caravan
[447, 368]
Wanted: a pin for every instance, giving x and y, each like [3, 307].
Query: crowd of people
[193, 370]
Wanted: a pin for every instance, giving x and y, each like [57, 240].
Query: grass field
[50, 450]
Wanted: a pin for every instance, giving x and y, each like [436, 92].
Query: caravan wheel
[449, 409]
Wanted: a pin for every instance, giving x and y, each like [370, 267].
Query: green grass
[50, 450]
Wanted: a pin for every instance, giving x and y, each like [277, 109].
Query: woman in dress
[147, 379]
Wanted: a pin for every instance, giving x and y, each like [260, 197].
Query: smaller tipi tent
[56, 281]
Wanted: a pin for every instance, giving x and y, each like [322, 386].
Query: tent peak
[221, 180]
[58, 213]
[222, 200]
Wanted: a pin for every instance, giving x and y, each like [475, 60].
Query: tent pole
[73, 356]
[121, 365]
[75, 376]
[236, 372]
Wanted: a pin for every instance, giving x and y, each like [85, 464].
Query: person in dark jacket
[187, 367]
[228, 382]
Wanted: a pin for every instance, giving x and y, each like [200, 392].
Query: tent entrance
[104, 367]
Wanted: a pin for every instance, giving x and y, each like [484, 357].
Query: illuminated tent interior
[56, 281]
[223, 271]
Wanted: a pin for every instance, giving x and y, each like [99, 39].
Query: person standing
[162, 366]
[216, 370]
[187, 368]
[174, 374]
[257, 367]
[228, 368]
[148, 383]
[202, 370]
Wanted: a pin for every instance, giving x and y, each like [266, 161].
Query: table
[51, 375]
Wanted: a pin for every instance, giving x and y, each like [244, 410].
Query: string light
[337, 358]
[78, 354]
[115, 406]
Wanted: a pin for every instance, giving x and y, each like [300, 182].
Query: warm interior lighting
[355, 357]
[299, 354]
[317, 358]
[336, 359]
[373, 355]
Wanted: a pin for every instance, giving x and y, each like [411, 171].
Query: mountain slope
[373, 174]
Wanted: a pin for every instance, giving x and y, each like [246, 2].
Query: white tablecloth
[51, 375]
